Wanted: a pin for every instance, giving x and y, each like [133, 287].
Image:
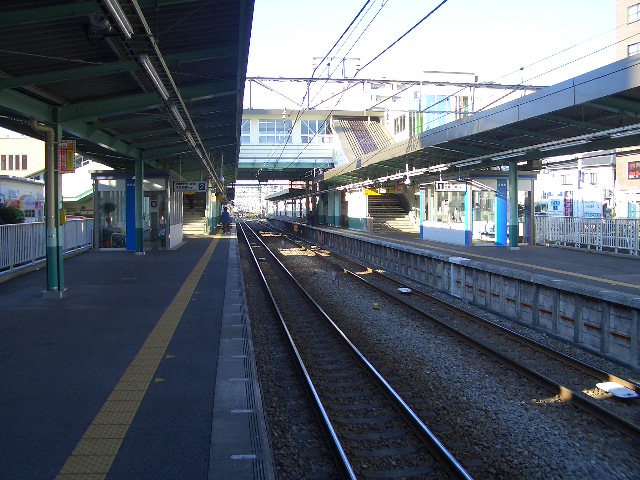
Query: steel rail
[437, 449]
[566, 394]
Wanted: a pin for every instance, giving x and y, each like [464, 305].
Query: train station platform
[143, 370]
[587, 298]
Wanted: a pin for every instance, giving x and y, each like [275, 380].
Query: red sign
[66, 156]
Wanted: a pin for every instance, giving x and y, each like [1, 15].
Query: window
[245, 137]
[634, 170]
[274, 131]
[3, 162]
[593, 178]
[633, 13]
[315, 131]
[633, 49]
[24, 162]
[10, 162]
[565, 180]
[399, 124]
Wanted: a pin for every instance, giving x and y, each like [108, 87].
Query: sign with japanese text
[66, 156]
[450, 187]
[189, 186]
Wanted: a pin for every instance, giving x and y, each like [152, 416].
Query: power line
[403, 35]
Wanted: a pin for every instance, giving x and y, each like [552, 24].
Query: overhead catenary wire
[377, 56]
[301, 111]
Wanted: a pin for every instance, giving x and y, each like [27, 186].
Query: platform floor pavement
[144, 370]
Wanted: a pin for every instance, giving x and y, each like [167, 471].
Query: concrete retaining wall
[596, 320]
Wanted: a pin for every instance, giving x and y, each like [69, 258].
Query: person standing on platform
[226, 220]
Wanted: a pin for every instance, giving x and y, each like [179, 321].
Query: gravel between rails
[496, 423]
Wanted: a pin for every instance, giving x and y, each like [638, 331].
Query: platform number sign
[66, 156]
[189, 186]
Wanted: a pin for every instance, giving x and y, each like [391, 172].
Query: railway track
[568, 378]
[372, 430]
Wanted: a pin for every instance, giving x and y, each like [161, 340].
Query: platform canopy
[160, 81]
[599, 110]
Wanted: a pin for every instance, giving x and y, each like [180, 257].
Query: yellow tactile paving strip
[95, 452]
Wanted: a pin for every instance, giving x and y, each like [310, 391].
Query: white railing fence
[618, 235]
[23, 245]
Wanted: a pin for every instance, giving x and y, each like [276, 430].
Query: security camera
[99, 23]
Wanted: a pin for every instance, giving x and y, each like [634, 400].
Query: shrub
[10, 215]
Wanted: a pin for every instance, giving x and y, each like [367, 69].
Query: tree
[10, 215]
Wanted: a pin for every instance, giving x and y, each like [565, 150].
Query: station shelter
[115, 210]
[476, 209]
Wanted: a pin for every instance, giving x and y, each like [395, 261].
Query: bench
[489, 230]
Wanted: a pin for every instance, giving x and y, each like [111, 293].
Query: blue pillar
[130, 211]
[501, 213]
[421, 217]
[513, 205]
[139, 225]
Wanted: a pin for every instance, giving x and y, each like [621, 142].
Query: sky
[504, 41]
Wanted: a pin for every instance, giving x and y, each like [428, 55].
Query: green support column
[139, 202]
[53, 229]
[513, 205]
[58, 202]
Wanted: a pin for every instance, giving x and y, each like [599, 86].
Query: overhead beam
[27, 106]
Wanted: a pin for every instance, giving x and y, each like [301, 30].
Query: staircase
[193, 221]
[389, 216]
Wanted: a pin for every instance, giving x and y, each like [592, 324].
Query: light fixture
[155, 78]
[190, 139]
[120, 17]
[563, 145]
[467, 164]
[407, 181]
[508, 155]
[626, 133]
[177, 117]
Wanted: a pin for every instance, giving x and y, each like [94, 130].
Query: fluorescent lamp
[155, 78]
[190, 139]
[177, 117]
[626, 133]
[508, 155]
[473, 162]
[120, 17]
[563, 145]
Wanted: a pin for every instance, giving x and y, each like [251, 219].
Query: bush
[10, 215]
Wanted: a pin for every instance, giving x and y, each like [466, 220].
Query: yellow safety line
[528, 265]
[95, 452]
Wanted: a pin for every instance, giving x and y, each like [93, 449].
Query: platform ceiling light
[508, 155]
[190, 139]
[626, 133]
[153, 75]
[178, 118]
[120, 17]
[563, 145]
[467, 164]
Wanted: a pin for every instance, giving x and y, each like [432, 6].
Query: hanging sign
[189, 186]
[450, 187]
[66, 156]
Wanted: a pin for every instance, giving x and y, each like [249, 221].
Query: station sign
[450, 187]
[189, 186]
[66, 156]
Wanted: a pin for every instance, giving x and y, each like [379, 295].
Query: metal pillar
[513, 205]
[422, 209]
[54, 236]
[139, 202]
[468, 215]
